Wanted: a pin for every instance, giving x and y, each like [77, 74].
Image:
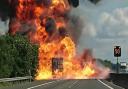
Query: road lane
[67, 84]
[89, 84]
[105, 84]
[42, 85]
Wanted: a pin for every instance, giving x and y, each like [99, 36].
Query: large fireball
[46, 22]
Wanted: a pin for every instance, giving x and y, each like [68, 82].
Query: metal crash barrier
[120, 79]
[29, 78]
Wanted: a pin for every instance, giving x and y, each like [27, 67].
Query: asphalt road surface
[67, 84]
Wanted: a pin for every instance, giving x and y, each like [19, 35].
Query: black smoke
[74, 3]
[7, 9]
[50, 26]
[94, 1]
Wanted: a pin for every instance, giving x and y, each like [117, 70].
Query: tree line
[18, 57]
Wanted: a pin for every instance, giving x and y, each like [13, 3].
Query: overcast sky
[105, 25]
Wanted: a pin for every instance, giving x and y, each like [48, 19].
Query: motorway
[67, 84]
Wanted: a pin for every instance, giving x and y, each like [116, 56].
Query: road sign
[117, 51]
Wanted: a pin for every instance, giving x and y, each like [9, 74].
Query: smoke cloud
[8, 11]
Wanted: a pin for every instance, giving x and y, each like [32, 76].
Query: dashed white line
[105, 84]
[73, 84]
[41, 85]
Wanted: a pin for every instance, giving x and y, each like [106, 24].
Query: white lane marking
[42, 84]
[73, 84]
[105, 84]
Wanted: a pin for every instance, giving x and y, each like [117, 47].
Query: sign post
[117, 53]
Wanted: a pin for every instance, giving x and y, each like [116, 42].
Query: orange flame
[53, 45]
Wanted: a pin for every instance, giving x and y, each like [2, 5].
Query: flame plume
[46, 22]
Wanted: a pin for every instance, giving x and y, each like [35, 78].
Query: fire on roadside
[46, 24]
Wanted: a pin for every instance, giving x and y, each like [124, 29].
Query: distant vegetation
[18, 57]
[106, 63]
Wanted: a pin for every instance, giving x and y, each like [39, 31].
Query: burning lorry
[57, 67]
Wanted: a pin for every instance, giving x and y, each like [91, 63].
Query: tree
[18, 56]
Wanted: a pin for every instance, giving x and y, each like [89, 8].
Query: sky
[105, 26]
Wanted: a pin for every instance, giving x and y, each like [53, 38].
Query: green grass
[6, 84]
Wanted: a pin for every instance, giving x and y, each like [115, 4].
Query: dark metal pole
[117, 66]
